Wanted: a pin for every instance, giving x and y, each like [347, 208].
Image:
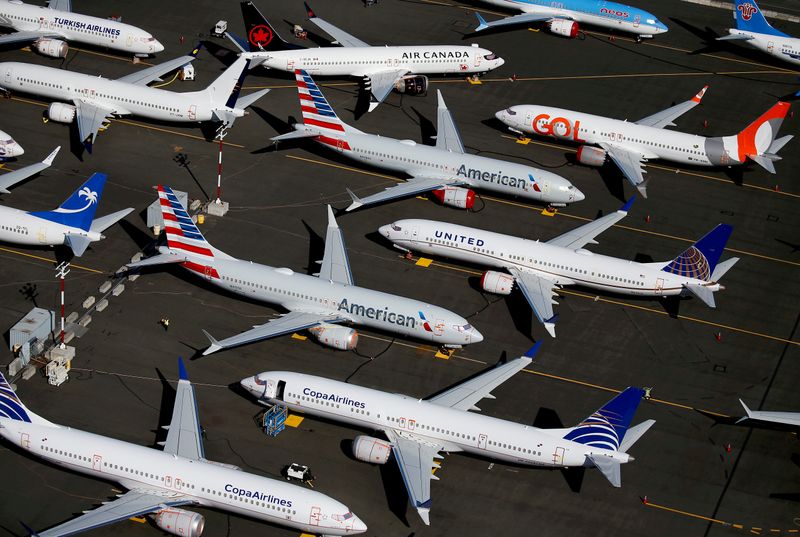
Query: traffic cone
[718, 336]
[727, 448]
[776, 188]
[647, 219]
[181, 40]
[705, 123]
[644, 500]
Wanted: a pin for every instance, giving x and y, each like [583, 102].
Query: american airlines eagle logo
[747, 10]
[260, 36]
[85, 192]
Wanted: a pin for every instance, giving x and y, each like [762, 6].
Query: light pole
[61, 271]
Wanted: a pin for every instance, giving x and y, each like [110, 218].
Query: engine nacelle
[338, 337]
[591, 156]
[55, 48]
[63, 113]
[563, 27]
[455, 196]
[498, 283]
[180, 522]
[370, 449]
[412, 85]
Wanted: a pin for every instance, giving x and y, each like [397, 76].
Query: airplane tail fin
[757, 141]
[317, 112]
[749, 18]
[11, 406]
[606, 428]
[183, 235]
[700, 259]
[261, 36]
[78, 210]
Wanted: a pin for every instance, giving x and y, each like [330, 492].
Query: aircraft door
[25, 440]
[477, 60]
[129, 41]
[168, 481]
[97, 463]
[178, 483]
[9, 72]
[42, 235]
[272, 388]
[208, 271]
[438, 327]
[414, 232]
[558, 456]
[636, 20]
[482, 438]
[770, 46]
[316, 515]
[193, 112]
[290, 64]
[659, 285]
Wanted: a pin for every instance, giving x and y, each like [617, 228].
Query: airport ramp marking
[49, 261]
[755, 530]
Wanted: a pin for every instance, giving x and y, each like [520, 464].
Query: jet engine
[563, 27]
[412, 85]
[455, 196]
[338, 337]
[63, 113]
[55, 48]
[180, 522]
[498, 283]
[370, 449]
[591, 156]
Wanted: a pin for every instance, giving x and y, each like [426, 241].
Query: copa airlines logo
[747, 10]
[256, 495]
[85, 192]
[691, 263]
[498, 178]
[378, 314]
[341, 399]
[455, 237]
[437, 54]
[10, 405]
[596, 431]
[82, 26]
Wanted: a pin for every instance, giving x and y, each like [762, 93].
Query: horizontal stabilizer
[160, 259]
[722, 268]
[778, 144]
[702, 292]
[104, 222]
[735, 37]
[214, 347]
[77, 243]
[634, 434]
[356, 201]
[297, 134]
[524, 18]
[609, 467]
[240, 43]
[764, 162]
[246, 100]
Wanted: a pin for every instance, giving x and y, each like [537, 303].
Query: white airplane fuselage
[19, 227]
[782, 47]
[9, 147]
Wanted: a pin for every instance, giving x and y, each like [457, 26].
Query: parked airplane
[160, 483]
[754, 30]
[9, 179]
[445, 169]
[96, 99]
[564, 17]
[318, 304]
[49, 28]
[631, 144]
[790, 420]
[417, 430]
[381, 68]
[540, 268]
[9, 148]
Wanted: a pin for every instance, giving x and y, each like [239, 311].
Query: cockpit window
[510, 112]
[341, 518]
[651, 21]
[490, 57]
[396, 227]
[465, 327]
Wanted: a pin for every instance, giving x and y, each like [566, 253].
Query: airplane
[319, 304]
[540, 268]
[9, 179]
[161, 483]
[790, 420]
[9, 148]
[753, 30]
[381, 68]
[417, 430]
[565, 17]
[445, 169]
[72, 224]
[49, 28]
[631, 144]
[96, 99]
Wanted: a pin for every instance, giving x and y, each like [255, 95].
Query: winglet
[331, 218]
[440, 99]
[182, 374]
[482, 24]
[309, 11]
[697, 98]
[533, 350]
[627, 207]
[196, 50]
[51, 156]
[214, 347]
[356, 201]
[747, 410]
[424, 510]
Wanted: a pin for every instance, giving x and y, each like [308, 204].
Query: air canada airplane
[418, 430]
[161, 483]
[447, 169]
[381, 68]
[319, 304]
[9, 148]
[49, 28]
[631, 144]
[753, 30]
[540, 268]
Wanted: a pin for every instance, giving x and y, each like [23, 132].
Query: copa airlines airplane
[540, 268]
[9, 148]
[381, 68]
[159, 483]
[49, 28]
[318, 304]
[96, 99]
[754, 30]
[564, 17]
[631, 144]
[417, 430]
[445, 169]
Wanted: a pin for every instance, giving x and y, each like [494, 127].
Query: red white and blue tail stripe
[316, 110]
[182, 233]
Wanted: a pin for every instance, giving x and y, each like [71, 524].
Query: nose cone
[501, 115]
[385, 230]
[249, 384]
[14, 150]
[500, 61]
[157, 46]
[359, 526]
[475, 336]
[578, 195]
[661, 27]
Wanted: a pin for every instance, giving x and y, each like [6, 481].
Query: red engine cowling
[455, 196]
[373, 450]
[338, 337]
[563, 27]
[63, 113]
[55, 48]
[412, 85]
[591, 156]
[498, 283]
[180, 522]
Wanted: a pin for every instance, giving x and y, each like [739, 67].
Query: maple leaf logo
[260, 35]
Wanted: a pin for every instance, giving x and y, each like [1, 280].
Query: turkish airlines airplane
[540, 268]
[446, 169]
[49, 28]
[161, 483]
[753, 30]
[381, 68]
[418, 430]
[9, 179]
[319, 304]
[9, 148]
[631, 144]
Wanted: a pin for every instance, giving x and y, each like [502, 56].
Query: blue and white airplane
[754, 30]
[565, 17]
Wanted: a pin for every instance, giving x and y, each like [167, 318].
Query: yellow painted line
[293, 420]
[298, 336]
[49, 261]
[101, 54]
[686, 513]
[424, 262]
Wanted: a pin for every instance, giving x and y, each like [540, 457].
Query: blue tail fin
[700, 259]
[10, 405]
[606, 427]
[750, 19]
[79, 209]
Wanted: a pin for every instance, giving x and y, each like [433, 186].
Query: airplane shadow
[518, 307]
[316, 249]
[164, 411]
[795, 246]
[427, 128]
[548, 418]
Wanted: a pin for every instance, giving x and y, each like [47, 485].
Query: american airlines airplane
[96, 99]
[9, 148]
[161, 483]
[540, 268]
[49, 28]
[381, 68]
[630, 144]
[9, 179]
[754, 30]
[446, 169]
[564, 17]
[418, 430]
[319, 304]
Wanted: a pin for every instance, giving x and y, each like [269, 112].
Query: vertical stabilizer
[260, 33]
[317, 112]
[79, 209]
[749, 18]
[606, 427]
[182, 233]
[11, 406]
[700, 259]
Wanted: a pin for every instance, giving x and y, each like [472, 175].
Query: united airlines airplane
[630, 144]
[49, 28]
[418, 430]
[754, 30]
[160, 483]
[447, 169]
[540, 268]
[319, 304]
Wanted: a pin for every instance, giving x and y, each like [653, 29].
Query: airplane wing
[154, 73]
[581, 236]
[666, 117]
[60, 5]
[184, 437]
[7, 180]
[381, 84]
[416, 459]
[783, 418]
[524, 18]
[447, 135]
[539, 293]
[341, 37]
[90, 118]
[24, 37]
[415, 185]
[630, 163]
[736, 37]
[335, 264]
